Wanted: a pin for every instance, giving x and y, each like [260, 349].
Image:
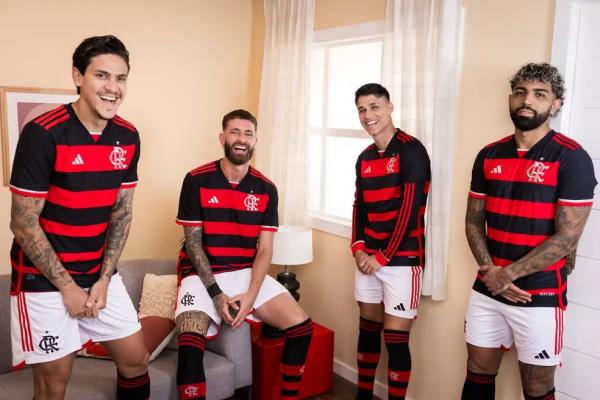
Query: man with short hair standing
[531, 195]
[388, 240]
[72, 186]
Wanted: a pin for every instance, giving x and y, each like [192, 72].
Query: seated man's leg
[283, 312]
[486, 333]
[538, 381]
[192, 327]
[50, 378]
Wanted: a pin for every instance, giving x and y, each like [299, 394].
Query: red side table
[266, 356]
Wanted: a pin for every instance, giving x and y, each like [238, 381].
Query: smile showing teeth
[371, 123]
[240, 148]
[108, 98]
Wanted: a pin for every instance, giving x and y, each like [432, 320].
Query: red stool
[266, 372]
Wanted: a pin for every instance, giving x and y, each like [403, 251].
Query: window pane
[341, 154]
[317, 72]
[350, 66]
[314, 172]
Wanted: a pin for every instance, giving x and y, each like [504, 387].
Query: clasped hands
[499, 282]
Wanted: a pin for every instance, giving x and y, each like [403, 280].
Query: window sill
[327, 223]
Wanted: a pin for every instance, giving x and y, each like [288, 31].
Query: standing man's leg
[482, 367]
[538, 381]
[131, 357]
[369, 347]
[50, 378]
[396, 334]
[283, 312]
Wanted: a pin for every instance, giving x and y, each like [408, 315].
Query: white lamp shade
[292, 245]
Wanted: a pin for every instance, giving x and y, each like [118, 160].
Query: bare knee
[135, 364]
[537, 380]
[193, 321]
[51, 381]
[483, 360]
[372, 312]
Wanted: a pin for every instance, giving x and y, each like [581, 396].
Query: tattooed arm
[571, 258]
[476, 236]
[24, 224]
[193, 245]
[116, 236]
[569, 223]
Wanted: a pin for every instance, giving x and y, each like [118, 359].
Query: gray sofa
[228, 360]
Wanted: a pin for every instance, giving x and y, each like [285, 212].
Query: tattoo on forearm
[571, 258]
[24, 223]
[118, 230]
[193, 245]
[569, 223]
[193, 321]
[475, 230]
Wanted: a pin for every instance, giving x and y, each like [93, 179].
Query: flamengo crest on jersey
[522, 191]
[79, 177]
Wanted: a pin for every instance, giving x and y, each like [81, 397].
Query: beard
[524, 123]
[237, 159]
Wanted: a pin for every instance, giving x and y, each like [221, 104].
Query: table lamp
[292, 246]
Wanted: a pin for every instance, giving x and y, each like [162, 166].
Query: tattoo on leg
[193, 321]
[537, 379]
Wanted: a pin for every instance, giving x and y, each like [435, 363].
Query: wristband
[214, 290]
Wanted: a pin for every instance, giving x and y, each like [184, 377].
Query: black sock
[293, 358]
[399, 362]
[137, 388]
[479, 387]
[191, 382]
[367, 356]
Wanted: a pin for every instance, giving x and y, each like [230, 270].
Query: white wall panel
[582, 330]
[583, 283]
[578, 377]
[589, 245]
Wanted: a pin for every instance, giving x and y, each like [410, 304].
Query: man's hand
[243, 304]
[516, 295]
[495, 278]
[98, 295]
[360, 257]
[75, 298]
[222, 306]
[370, 265]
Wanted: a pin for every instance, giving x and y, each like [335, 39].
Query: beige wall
[191, 63]
[499, 37]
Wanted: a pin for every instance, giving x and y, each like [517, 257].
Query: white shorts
[192, 295]
[42, 330]
[537, 332]
[399, 288]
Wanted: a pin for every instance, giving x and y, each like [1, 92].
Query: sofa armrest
[235, 344]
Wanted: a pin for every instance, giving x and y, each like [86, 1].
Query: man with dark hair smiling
[72, 186]
[228, 210]
[531, 195]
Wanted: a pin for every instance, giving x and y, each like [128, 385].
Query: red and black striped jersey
[522, 191]
[231, 216]
[79, 176]
[390, 201]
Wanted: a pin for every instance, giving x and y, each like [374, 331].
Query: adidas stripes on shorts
[537, 332]
[398, 287]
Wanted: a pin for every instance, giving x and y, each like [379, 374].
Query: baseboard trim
[351, 374]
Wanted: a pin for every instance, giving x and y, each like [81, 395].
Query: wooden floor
[342, 390]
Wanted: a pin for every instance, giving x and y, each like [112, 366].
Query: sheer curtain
[421, 64]
[283, 105]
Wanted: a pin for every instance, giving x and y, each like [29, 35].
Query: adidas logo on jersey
[400, 307]
[496, 170]
[213, 200]
[78, 160]
[542, 356]
[367, 170]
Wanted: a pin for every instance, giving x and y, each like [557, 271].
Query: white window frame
[326, 38]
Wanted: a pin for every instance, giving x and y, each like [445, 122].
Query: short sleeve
[190, 211]
[130, 179]
[271, 219]
[478, 188]
[34, 162]
[576, 180]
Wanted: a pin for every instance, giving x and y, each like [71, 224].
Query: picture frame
[18, 106]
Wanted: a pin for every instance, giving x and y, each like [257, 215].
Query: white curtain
[283, 107]
[421, 64]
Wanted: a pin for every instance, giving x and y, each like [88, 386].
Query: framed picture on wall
[18, 106]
